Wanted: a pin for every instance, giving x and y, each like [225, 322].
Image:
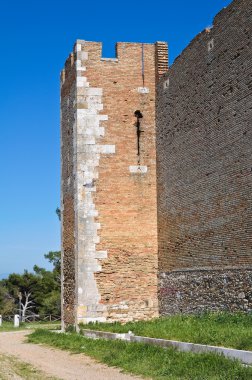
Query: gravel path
[53, 362]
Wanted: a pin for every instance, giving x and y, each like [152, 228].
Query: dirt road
[56, 363]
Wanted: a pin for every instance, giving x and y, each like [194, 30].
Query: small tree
[20, 288]
[25, 304]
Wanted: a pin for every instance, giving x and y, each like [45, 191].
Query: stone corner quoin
[109, 192]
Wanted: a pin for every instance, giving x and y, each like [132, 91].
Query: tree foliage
[35, 292]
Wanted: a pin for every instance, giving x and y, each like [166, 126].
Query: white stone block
[106, 149]
[80, 81]
[138, 169]
[97, 239]
[87, 120]
[84, 55]
[78, 64]
[94, 91]
[103, 117]
[101, 254]
[94, 268]
[84, 112]
[88, 140]
[143, 90]
[99, 107]
[92, 213]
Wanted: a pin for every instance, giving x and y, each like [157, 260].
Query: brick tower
[109, 190]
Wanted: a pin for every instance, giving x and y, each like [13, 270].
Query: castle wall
[204, 171]
[109, 201]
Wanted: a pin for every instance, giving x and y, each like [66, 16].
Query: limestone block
[101, 254]
[84, 55]
[103, 117]
[143, 90]
[80, 71]
[138, 169]
[94, 91]
[77, 47]
[80, 81]
[106, 149]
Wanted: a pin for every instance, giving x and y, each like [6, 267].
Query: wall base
[196, 291]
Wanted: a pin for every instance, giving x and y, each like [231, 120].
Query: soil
[54, 362]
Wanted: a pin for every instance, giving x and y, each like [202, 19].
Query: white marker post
[1, 320]
[16, 320]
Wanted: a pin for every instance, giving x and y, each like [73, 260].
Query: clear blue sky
[36, 37]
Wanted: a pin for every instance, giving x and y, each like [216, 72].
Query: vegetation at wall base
[216, 329]
[146, 360]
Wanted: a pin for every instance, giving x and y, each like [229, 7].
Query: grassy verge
[8, 326]
[148, 361]
[10, 367]
[219, 329]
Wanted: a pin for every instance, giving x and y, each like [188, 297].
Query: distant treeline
[31, 293]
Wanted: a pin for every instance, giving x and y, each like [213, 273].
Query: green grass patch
[218, 329]
[8, 326]
[146, 360]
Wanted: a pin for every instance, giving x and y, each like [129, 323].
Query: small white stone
[143, 90]
[166, 84]
[103, 117]
[138, 169]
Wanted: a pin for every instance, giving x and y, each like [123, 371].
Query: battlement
[126, 52]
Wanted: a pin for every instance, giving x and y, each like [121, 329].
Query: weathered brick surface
[204, 147]
[113, 235]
